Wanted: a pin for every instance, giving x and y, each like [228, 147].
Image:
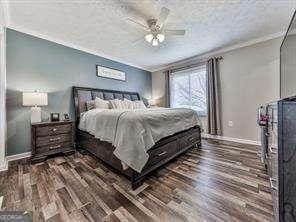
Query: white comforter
[134, 132]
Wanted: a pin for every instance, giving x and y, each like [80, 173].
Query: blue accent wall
[38, 64]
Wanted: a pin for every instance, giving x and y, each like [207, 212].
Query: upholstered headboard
[83, 94]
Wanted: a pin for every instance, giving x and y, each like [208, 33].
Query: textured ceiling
[100, 25]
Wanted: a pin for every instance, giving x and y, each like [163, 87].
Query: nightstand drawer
[57, 147]
[53, 130]
[51, 140]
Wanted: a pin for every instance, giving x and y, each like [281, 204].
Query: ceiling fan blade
[137, 24]
[174, 32]
[164, 13]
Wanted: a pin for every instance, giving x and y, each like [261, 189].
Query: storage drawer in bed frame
[163, 151]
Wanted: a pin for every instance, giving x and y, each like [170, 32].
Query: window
[188, 89]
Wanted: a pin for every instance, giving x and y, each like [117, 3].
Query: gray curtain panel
[167, 88]
[213, 97]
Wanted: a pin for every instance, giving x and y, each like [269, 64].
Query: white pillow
[115, 104]
[138, 104]
[101, 104]
[128, 104]
[121, 104]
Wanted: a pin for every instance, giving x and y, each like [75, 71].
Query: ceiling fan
[156, 33]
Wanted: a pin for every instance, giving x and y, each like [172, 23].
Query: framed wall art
[110, 73]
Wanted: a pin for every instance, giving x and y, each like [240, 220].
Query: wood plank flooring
[221, 181]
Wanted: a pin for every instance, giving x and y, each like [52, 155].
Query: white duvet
[134, 132]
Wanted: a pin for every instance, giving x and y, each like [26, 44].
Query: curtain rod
[193, 65]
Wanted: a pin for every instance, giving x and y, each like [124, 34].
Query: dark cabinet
[281, 157]
[51, 138]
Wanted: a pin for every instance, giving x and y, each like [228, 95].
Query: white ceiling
[99, 25]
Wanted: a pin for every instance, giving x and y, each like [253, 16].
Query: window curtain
[213, 97]
[167, 88]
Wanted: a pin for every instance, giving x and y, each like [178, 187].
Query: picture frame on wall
[110, 73]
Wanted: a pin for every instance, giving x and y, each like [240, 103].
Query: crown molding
[219, 51]
[73, 46]
[160, 68]
[6, 11]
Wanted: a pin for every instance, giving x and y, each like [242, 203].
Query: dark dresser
[281, 157]
[50, 138]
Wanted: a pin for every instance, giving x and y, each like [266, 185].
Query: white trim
[14, 158]
[220, 51]
[1, 202]
[170, 65]
[231, 139]
[204, 135]
[4, 167]
[73, 46]
[6, 11]
[18, 156]
[3, 162]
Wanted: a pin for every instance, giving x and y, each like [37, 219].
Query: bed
[159, 153]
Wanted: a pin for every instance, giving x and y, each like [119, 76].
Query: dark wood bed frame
[162, 152]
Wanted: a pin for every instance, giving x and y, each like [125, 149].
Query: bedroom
[147, 110]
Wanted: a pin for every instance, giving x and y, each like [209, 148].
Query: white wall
[3, 164]
[249, 77]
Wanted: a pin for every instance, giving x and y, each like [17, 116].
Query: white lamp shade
[35, 99]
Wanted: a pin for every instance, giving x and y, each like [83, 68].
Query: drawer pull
[54, 139]
[162, 153]
[54, 147]
[273, 150]
[54, 129]
[271, 181]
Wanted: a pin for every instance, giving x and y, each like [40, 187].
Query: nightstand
[50, 138]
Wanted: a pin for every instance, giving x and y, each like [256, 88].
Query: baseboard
[231, 139]
[203, 135]
[14, 158]
[18, 156]
[4, 167]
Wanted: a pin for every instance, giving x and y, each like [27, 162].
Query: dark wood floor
[222, 181]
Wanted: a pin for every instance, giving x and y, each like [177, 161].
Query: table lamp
[35, 100]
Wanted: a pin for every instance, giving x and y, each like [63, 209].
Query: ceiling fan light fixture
[149, 37]
[160, 37]
[155, 42]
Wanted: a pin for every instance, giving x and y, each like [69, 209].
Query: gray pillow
[89, 105]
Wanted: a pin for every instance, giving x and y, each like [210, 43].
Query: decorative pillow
[89, 105]
[115, 104]
[128, 104]
[121, 104]
[101, 104]
[138, 104]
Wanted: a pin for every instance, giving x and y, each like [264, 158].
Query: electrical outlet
[230, 123]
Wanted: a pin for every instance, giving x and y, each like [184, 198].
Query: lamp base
[35, 114]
